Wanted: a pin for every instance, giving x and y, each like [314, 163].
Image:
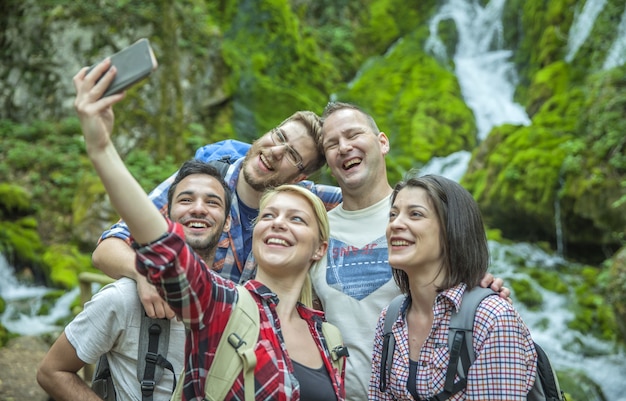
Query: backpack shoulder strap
[460, 340]
[154, 338]
[389, 342]
[334, 340]
[546, 385]
[102, 382]
[235, 351]
[221, 165]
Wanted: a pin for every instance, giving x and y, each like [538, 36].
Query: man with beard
[284, 155]
[110, 323]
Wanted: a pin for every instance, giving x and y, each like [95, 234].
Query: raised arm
[96, 116]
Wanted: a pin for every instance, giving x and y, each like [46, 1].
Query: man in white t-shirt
[357, 283]
[110, 322]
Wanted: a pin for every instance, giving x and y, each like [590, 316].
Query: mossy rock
[593, 313]
[577, 386]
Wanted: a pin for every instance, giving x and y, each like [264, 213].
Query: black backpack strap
[389, 342]
[460, 341]
[221, 164]
[102, 382]
[151, 354]
[546, 381]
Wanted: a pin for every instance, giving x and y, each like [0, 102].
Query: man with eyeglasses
[286, 154]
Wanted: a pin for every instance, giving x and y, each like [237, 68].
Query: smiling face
[354, 152]
[414, 233]
[286, 236]
[198, 204]
[267, 163]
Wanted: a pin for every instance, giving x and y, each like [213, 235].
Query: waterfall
[452, 166]
[566, 348]
[488, 80]
[23, 303]
[486, 76]
[581, 27]
[617, 53]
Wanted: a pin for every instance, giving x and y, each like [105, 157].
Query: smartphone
[133, 63]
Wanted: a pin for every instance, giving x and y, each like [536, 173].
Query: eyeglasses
[294, 157]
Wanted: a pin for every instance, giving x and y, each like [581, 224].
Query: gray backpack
[154, 338]
[546, 387]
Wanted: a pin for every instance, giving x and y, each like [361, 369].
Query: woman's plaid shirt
[204, 301]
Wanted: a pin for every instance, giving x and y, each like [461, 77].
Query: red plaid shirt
[204, 301]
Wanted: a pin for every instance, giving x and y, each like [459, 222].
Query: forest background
[236, 68]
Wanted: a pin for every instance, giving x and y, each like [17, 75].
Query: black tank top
[315, 384]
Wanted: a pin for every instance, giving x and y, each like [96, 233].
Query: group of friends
[306, 253]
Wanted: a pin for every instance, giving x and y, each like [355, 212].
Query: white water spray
[582, 25]
[485, 74]
[617, 53]
[23, 303]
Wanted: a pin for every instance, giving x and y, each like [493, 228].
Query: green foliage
[65, 262]
[516, 184]
[20, 243]
[593, 313]
[55, 149]
[550, 280]
[14, 201]
[526, 294]
[437, 125]
[616, 289]
[275, 73]
[595, 165]
[539, 37]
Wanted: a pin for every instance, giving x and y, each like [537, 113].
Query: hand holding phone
[133, 63]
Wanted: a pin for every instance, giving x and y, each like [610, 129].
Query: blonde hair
[321, 217]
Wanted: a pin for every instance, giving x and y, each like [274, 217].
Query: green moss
[65, 262]
[20, 242]
[578, 386]
[439, 124]
[526, 294]
[14, 201]
[550, 280]
[593, 314]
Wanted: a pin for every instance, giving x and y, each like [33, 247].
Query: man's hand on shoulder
[496, 284]
[155, 306]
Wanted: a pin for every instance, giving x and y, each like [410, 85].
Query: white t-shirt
[110, 323]
[356, 284]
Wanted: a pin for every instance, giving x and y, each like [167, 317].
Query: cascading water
[488, 81]
[486, 76]
[617, 52]
[23, 303]
[582, 25]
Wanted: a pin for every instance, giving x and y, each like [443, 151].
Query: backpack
[235, 351]
[150, 361]
[151, 354]
[545, 388]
